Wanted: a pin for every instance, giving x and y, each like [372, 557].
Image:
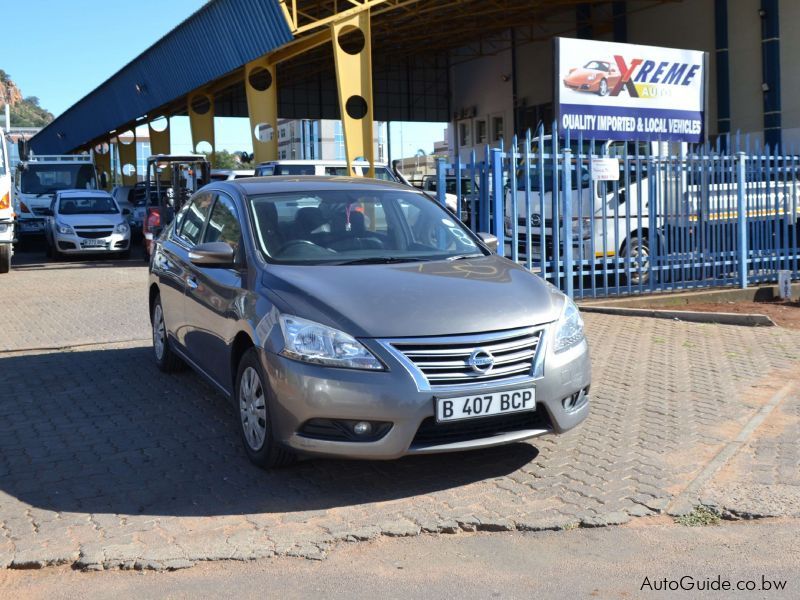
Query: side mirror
[212, 254]
[126, 212]
[489, 240]
[22, 149]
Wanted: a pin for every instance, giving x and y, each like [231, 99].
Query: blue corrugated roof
[220, 37]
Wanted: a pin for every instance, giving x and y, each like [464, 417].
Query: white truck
[7, 216]
[38, 178]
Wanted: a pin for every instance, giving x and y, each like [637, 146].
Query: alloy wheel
[159, 332]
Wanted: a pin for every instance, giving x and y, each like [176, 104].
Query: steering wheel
[302, 243]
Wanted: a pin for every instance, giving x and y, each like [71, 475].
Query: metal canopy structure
[207, 58]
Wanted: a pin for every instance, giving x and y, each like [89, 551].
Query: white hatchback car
[86, 221]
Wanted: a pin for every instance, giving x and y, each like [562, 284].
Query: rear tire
[5, 258]
[166, 359]
[255, 424]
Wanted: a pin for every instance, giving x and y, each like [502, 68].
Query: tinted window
[92, 205]
[223, 226]
[194, 217]
[294, 170]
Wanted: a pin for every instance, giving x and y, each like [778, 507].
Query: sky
[60, 51]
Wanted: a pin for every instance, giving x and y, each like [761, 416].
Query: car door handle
[192, 283]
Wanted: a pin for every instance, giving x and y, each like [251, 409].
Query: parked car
[322, 167]
[86, 221]
[356, 318]
[132, 198]
[231, 174]
[468, 189]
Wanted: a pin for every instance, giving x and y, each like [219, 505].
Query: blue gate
[601, 219]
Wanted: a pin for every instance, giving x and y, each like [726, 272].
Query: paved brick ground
[106, 462]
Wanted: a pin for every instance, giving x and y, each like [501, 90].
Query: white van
[613, 218]
[7, 215]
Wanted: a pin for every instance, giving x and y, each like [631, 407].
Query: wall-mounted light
[762, 13]
[764, 87]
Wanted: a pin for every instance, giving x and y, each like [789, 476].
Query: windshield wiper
[464, 256]
[380, 260]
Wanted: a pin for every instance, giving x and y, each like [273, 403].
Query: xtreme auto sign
[615, 91]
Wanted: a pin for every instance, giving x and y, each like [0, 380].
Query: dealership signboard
[613, 91]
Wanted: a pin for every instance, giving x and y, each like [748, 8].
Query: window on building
[464, 133]
[498, 130]
[480, 131]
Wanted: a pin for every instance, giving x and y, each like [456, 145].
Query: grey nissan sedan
[358, 318]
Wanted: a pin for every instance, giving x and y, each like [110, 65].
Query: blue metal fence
[678, 217]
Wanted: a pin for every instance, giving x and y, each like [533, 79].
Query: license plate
[31, 226]
[485, 404]
[93, 243]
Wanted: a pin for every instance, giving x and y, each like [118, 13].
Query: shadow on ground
[106, 432]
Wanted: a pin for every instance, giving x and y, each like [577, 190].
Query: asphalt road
[597, 563]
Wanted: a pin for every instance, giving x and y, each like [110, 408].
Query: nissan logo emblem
[481, 361]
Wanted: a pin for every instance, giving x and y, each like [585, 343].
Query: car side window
[191, 225]
[223, 226]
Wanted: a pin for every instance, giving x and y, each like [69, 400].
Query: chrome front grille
[451, 361]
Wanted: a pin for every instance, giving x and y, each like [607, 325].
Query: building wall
[329, 143]
[790, 74]
[689, 24]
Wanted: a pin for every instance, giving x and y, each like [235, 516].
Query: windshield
[352, 226]
[44, 179]
[92, 205]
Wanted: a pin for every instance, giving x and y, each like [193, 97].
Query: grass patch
[701, 516]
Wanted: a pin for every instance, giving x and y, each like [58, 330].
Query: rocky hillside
[25, 112]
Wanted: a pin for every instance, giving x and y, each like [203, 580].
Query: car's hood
[416, 299]
[86, 220]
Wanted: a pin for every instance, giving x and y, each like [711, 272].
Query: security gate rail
[676, 218]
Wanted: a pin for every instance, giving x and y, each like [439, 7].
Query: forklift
[170, 182]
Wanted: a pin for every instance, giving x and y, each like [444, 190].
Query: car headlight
[3, 227]
[121, 228]
[591, 78]
[569, 332]
[65, 229]
[312, 342]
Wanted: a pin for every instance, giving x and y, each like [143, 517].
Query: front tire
[5, 258]
[638, 250]
[255, 423]
[602, 88]
[166, 359]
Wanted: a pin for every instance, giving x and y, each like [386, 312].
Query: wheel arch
[242, 342]
[153, 293]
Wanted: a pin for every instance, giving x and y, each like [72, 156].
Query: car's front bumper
[30, 225]
[74, 244]
[300, 392]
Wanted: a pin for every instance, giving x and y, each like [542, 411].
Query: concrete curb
[747, 320]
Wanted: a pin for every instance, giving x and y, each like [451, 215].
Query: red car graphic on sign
[596, 76]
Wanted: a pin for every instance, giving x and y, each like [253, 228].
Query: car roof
[313, 183]
[324, 163]
[83, 193]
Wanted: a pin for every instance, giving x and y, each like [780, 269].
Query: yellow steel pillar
[102, 162]
[262, 107]
[352, 51]
[201, 120]
[127, 159]
[159, 139]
